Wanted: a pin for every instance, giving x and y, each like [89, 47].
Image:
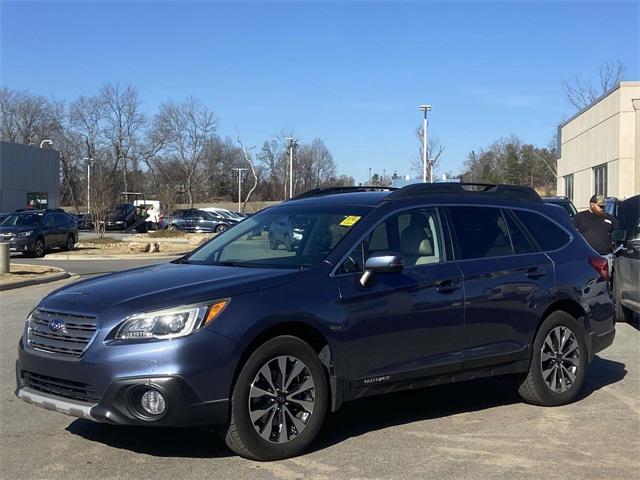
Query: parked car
[233, 216]
[194, 220]
[121, 217]
[428, 284]
[85, 222]
[626, 263]
[564, 202]
[34, 232]
[288, 232]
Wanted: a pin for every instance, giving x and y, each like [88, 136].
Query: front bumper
[117, 406]
[21, 244]
[193, 373]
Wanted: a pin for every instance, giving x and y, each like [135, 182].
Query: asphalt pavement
[473, 430]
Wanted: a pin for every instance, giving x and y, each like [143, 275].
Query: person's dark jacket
[596, 230]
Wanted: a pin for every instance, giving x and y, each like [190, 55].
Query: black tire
[172, 227]
[70, 243]
[241, 436]
[39, 248]
[287, 243]
[622, 314]
[221, 228]
[534, 388]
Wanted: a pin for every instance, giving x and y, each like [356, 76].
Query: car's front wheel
[279, 401]
[558, 363]
[221, 228]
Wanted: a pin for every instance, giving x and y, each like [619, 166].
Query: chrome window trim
[450, 204]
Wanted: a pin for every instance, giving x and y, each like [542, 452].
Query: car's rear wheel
[279, 401]
[70, 243]
[558, 363]
[38, 248]
[221, 228]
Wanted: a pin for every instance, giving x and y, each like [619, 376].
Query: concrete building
[599, 148]
[29, 176]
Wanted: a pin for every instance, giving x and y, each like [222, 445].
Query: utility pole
[425, 139]
[88, 160]
[292, 145]
[240, 170]
[369, 182]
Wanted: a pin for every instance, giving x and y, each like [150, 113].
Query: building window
[600, 180]
[568, 187]
[37, 200]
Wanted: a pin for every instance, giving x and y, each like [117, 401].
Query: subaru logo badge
[56, 325]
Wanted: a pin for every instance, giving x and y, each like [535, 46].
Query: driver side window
[413, 233]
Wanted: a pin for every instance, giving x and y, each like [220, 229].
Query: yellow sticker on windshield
[350, 221]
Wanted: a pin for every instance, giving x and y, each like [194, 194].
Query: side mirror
[619, 235]
[385, 263]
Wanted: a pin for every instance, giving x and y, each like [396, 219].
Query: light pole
[46, 142]
[88, 160]
[425, 109]
[292, 144]
[240, 170]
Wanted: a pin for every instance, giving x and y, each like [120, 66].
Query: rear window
[548, 235]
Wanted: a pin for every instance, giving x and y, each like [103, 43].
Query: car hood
[16, 229]
[162, 286]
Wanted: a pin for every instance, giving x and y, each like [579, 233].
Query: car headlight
[170, 323]
[25, 234]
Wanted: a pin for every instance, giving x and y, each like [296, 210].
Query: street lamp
[292, 144]
[88, 160]
[239, 170]
[425, 109]
[46, 142]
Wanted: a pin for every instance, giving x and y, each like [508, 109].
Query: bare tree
[582, 93]
[123, 124]
[434, 153]
[252, 168]
[187, 128]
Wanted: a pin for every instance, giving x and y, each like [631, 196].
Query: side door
[627, 271]
[63, 228]
[506, 278]
[50, 232]
[408, 324]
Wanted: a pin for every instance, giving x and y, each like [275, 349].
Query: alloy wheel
[39, 248]
[560, 359]
[281, 399]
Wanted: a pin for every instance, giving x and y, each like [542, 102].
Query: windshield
[283, 237]
[24, 220]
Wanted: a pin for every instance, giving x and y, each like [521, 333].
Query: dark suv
[194, 220]
[428, 284]
[33, 232]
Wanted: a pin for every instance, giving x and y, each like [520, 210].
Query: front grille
[59, 387]
[70, 340]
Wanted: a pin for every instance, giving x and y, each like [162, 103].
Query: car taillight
[601, 266]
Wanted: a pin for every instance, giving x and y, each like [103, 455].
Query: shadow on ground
[353, 419]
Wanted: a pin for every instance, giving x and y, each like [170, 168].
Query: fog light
[153, 402]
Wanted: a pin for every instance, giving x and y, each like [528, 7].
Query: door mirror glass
[619, 235]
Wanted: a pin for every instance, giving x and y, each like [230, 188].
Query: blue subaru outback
[386, 290]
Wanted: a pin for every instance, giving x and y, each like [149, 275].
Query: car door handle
[446, 286]
[535, 273]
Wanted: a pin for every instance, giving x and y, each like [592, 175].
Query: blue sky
[351, 73]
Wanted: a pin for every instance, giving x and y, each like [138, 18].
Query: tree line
[175, 155]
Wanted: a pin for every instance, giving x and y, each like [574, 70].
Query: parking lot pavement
[475, 430]
[91, 267]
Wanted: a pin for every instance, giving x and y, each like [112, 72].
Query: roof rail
[514, 192]
[320, 192]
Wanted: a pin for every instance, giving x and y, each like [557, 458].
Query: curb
[34, 281]
[133, 256]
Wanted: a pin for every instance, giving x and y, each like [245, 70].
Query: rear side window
[481, 232]
[519, 240]
[548, 235]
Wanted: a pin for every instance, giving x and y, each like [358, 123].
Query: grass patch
[167, 234]
[100, 241]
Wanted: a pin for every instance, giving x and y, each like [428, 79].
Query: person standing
[596, 226]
